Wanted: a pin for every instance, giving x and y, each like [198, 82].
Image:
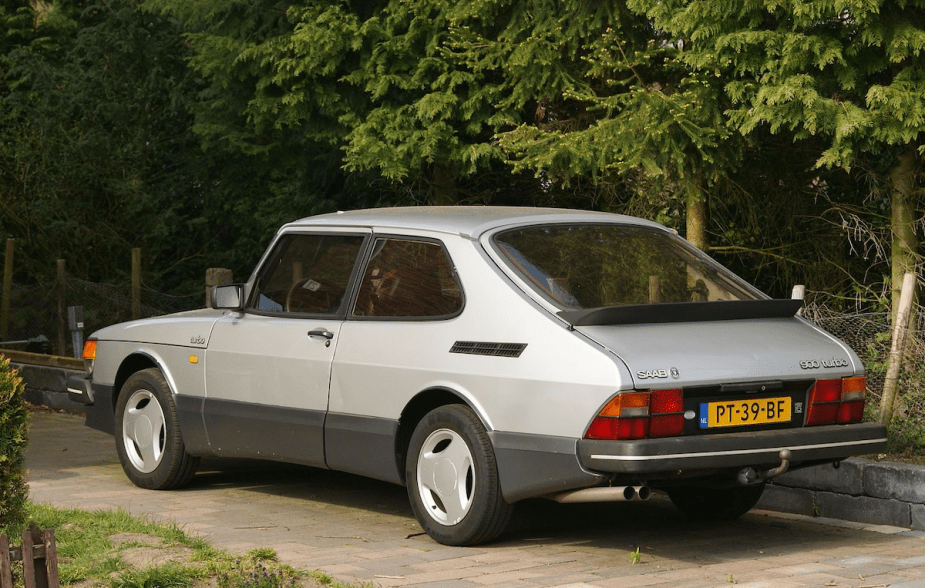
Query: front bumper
[80, 390]
[97, 398]
[678, 455]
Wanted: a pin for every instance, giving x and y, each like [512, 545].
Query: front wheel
[715, 503]
[148, 439]
[452, 478]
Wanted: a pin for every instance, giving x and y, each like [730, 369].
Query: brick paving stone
[502, 577]
[910, 584]
[362, 531]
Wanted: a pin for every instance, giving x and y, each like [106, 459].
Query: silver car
[480, 356]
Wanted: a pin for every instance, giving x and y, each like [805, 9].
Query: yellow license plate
[739, 413]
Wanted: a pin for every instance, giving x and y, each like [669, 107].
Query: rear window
[596, 266]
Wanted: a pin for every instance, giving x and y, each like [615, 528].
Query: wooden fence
[38, 556]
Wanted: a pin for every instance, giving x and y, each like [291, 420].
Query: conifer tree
[849, 72]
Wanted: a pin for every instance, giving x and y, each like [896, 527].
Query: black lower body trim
[99, 415]
[536, 465]
[260, 431]
[362, 445]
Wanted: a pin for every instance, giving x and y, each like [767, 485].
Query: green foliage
[849, 71]
[194, 128]
[251, 573]
[166, 576]
[13, 438]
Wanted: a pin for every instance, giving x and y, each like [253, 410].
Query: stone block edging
[860, 490]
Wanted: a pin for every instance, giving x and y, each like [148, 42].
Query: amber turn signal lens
[90, 349]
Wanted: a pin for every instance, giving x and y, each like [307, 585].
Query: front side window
[597, 266]
[409, 279]
[306, 274]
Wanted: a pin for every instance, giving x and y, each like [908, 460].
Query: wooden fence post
[216, 276]
[7, 289]
[60, 344]
[897, 350]
[6, 572]
[136, 283]
[39, 557]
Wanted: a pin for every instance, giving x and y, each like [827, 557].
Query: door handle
[321, 333]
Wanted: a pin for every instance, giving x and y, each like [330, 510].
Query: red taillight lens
[637, 415]
[836, 401]
[853, 395]
[667, 413]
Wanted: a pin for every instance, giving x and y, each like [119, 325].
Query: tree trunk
[905, 242]
[443, 186]
[698, 214]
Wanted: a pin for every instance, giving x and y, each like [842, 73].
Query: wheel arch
[422, 403]
[134, 363]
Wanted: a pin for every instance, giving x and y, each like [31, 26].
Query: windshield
[595, 266]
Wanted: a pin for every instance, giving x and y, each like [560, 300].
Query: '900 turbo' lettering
[826, 363]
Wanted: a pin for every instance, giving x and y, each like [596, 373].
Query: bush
[13, 436]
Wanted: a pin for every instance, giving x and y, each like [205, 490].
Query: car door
[268, 368]
[402, 318]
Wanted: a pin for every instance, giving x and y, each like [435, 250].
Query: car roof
[469, 221]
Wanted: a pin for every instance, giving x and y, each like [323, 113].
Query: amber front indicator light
[90, 350]
[638, 415]
[837, 401]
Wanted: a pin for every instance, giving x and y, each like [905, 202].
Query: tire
[148, 438]
[452, 478]
[715, 503]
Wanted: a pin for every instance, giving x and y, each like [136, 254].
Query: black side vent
[493, 349]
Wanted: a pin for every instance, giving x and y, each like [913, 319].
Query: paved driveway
[361, 530]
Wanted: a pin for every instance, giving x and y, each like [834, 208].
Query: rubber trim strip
[735, 451]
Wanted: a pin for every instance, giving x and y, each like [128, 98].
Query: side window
[411, 279]
[306, 274]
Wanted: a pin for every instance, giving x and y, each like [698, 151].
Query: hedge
[13, 438]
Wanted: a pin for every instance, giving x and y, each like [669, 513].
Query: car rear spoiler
[682, 312]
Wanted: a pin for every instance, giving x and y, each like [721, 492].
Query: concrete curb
[860, 490]
[47, 386]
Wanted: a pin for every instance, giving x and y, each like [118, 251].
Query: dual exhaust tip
[602, 494]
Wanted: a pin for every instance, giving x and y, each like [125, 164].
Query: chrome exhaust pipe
[602, 494]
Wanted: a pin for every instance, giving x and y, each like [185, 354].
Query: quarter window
[410, 279]
[307, 274]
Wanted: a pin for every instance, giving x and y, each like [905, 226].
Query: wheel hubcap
[144, 433]
[446, 477]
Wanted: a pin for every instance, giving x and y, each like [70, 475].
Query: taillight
[667, 413]
[637, 415]
[853, 395]
[836, 401]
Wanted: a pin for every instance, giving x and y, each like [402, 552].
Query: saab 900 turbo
[480, 356]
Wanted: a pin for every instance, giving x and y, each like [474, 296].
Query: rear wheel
[452, 478]
[148, 437]
[715, 503]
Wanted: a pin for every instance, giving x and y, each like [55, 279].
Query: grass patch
[94, 548]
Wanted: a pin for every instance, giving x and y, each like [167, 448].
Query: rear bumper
[676, 455]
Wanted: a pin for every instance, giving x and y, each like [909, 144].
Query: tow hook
[748, 476]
